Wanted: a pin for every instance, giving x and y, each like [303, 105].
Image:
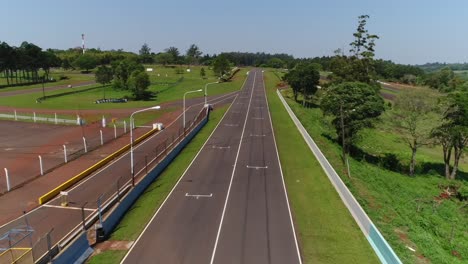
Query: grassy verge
[144, 208]
[407, 210]
[326, 231]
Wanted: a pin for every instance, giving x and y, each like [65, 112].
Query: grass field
[326, 231]
[165, 89]
[406, 210]
[144, 208]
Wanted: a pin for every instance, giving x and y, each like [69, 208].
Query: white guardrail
[375, 238]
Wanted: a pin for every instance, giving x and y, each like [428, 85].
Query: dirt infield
[21, 144]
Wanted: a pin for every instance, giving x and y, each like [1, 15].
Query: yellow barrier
[46, 197]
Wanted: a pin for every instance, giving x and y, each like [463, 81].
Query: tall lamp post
[131, 136]
[206, 91]
[199, 90]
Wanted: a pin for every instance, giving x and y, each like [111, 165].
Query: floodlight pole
[131, 137]
[199, 90]
[206, 91]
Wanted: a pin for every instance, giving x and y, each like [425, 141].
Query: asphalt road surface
[230, 206]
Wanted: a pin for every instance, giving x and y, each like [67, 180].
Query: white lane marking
[219, 147]
[259, 107]
[254, 135]
[257, 167]
[282, 176]
[233, 172]
[180, 179]
[69, 207]
[257, 118]
[231, 125]
[199, 195]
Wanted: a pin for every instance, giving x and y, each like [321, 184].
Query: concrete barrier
[376, 240]
[113, 218]
[51, 194]
[77, 252]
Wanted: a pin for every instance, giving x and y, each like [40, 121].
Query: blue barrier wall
[114, 217]
[381, 247]
[79, 249]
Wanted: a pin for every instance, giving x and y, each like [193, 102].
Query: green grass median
[326, 231]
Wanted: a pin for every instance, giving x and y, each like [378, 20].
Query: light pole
[206, 91]
[131, 136]
[199, 90]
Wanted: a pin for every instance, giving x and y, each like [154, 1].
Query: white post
[34, 113]
[125, 127]
[40, 165]
[16, 118]
[115, 131]
[65, 153]
[102, 139]
[84, 143]
[7, 179]
[55, 118]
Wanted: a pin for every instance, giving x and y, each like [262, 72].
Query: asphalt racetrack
[230, 206]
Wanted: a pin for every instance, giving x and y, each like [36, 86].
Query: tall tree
[174, 53]
[303, 79]
[85, 62]
[452, 134]
[414, 116]
[164, 58]
[202, 73]
[353, 106]
[103, 76]
[122, 71]
[145, 54]
[193, 54]
[138, 83]
[360, 65]
[221, 65]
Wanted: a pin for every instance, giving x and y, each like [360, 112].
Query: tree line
[21, 65]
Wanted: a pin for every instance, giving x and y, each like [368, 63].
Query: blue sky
[411, 31]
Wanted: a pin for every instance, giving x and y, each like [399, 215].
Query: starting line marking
[258, 118]
[199, 195]
[68, 207]
[256, 167]
[218, 147]
[231, 125]
[254, 135]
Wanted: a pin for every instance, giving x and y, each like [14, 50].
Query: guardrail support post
[34, 116]
[40, 165]
[16, 117]
[83, 218]
[65, 153]
[85, 147]
[125, 127]
[55, 118]
[115, 131]
[7, 179]
[102, 139]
